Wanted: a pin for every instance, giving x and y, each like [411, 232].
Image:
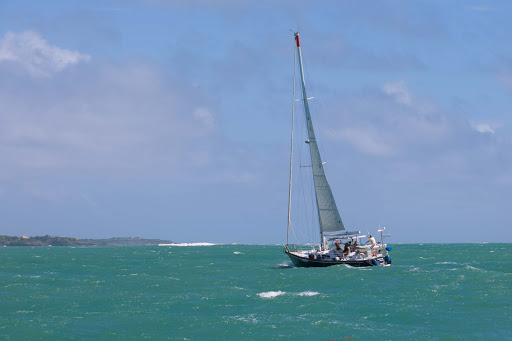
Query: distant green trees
[40, 241]
[67, 241]
[5, 240]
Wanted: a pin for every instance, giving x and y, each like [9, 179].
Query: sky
[171, 119]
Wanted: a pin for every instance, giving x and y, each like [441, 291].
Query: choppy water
[248, 292]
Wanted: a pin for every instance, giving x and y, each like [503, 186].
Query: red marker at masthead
[297, 38]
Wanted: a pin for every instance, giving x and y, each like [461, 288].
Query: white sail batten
[328, 214]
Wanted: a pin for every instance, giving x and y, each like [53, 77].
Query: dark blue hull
[307, 262]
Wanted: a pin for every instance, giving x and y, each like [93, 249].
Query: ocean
[252, 292]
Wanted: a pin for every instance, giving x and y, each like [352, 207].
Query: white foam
[271, 294]
[473, 268]
[308, 293]
[247, 319]
[187, 244]
[284, 266]
[238, 253]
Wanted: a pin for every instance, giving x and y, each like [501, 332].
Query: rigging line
[315, 219]
[306, 192]
[306, 220]
[307, 187]
[301, 207]
[291, 150]
[302, 215]
[292, 229]
[308, 217]
[312, 219]
[301, 193]
[305, 180]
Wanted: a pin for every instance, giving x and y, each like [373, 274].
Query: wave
[271, 294]
[187, 244]
[284, 266]
[308, 293]
[469, 267]
[238, 253]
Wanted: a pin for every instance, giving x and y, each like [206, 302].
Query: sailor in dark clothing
[346, 250]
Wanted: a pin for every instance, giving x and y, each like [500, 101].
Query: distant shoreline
[68, 241]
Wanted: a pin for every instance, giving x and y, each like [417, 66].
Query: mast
[291, 155]
[328, 214]
[308, 122]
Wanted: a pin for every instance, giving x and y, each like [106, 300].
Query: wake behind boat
[332, 231]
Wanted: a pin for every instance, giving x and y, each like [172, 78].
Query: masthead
[297, 38]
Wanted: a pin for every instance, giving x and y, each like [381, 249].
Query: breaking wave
[308, 293]
[271, 294]
[187, 244]
[284, 266]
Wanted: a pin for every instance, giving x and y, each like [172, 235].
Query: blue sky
[170, 119]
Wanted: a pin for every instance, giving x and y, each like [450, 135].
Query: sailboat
[333, 234]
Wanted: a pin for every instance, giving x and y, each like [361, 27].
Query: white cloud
[483, 127]
[30, 51]
[390, 123]
[128, 120]
[205, 117]
[399, 90]
[416, 139]
[117, 118]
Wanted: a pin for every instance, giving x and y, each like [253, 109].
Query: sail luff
[328, 214]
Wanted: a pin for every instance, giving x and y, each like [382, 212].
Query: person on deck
[337, 244]
[372, 240]
[346, 250]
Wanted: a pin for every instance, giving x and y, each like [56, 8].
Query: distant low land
[67, 241]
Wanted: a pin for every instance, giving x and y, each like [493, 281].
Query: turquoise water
[249, 292]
